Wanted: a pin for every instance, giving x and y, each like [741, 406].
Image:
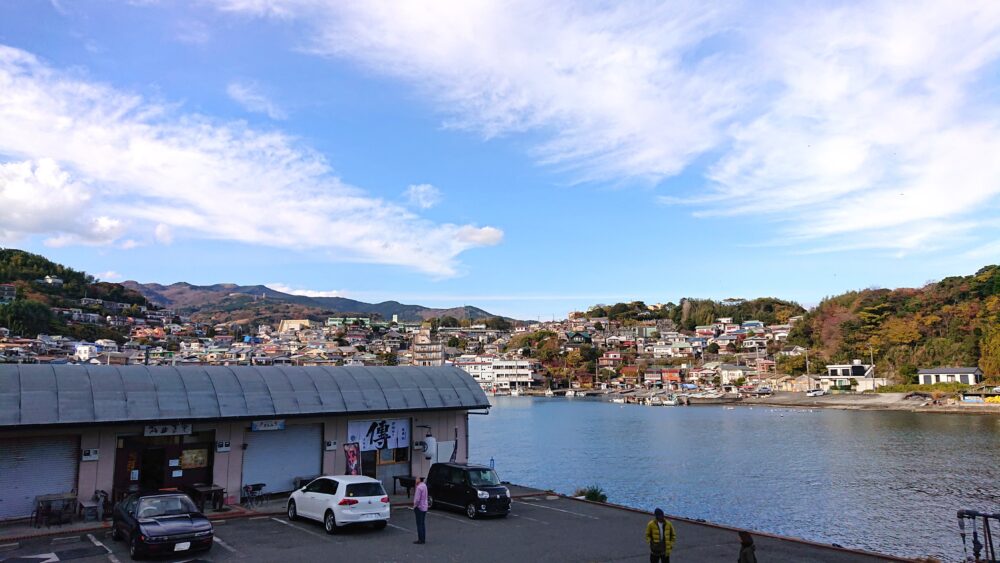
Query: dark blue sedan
[161, 523]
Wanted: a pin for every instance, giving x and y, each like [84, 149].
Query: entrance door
[153, 468]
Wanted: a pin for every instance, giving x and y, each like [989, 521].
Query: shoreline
[871, 402]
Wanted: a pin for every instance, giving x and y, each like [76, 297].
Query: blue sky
[528, 158]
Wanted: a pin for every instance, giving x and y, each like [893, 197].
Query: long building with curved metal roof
[72, 430]
[48, 395]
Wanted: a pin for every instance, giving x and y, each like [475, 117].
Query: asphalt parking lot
[539, 528]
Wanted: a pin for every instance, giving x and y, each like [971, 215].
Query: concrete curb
[752, 532]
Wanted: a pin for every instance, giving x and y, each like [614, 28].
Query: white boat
[571, 393]
[549, 393]
[618, 400]
[515, 392]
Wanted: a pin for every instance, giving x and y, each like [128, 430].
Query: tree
[26, 317]
[448, 322]
[599, 326]
[989, 352]
[388, 359]
[453, 342]
[713, 348]
[498, 323]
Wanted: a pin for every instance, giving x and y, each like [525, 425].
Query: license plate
[371, 516]
[183, 546]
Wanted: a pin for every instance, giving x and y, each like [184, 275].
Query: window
[164, 506]
[483, 478]
[456, 476]
[364, 490]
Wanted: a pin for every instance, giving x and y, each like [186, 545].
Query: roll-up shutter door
[35, 466]
[277, 457]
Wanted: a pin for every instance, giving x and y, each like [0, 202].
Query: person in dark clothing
[747, 554]
[660, 537]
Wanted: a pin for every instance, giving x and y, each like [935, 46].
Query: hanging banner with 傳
[379, 434]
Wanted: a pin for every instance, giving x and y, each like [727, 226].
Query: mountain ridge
[201, 300]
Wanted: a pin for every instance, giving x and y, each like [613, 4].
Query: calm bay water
[885, 481]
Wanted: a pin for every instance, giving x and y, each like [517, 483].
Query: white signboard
[167, 430]
[379, 434]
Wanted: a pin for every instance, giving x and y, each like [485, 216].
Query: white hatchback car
[815, 393]
[338, 500]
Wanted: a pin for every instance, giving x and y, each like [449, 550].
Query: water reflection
[886, 481]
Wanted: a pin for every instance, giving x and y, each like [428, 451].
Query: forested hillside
[949, 323]
[31, 313]
[693, 312]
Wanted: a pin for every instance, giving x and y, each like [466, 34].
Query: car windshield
[365, 490]
[483, 478]
[154, 507]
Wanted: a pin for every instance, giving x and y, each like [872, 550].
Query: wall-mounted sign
[263, 425]
[379, 434]
[167, 430]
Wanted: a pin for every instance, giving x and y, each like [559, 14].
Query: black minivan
[474, 489]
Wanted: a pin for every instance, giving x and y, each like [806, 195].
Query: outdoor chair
[253, 494]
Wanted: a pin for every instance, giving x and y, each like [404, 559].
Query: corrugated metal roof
[45, 394]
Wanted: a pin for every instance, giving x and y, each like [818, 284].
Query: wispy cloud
[284, 288]
[248, 95]
[423, 196]
[93, 164]
[834, 120]
[110, 275]
[192, 32]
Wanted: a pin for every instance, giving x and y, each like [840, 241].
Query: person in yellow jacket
[661, 537]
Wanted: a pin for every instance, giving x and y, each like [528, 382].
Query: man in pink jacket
[420, 509]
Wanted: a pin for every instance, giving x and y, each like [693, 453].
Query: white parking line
[65, 539]
[224, 545]
[529, 518]
[391, 525]
[99, 543]
[469, 522]
[559, 510]
[310, 532]
[260, 518]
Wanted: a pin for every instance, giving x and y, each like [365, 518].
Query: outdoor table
[43, 506]
[203, 493]
[408, 481]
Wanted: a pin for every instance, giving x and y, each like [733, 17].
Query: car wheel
[133, 550]
[430, 502]
[292, 514]
[330, 522]
[381, 524]
[470, 511]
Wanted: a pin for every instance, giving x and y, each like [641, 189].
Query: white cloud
[37, 197]
[199, 177]
[857, 122]
[248, 95]
[284, 288]
[423, 196]
[110, 275]
[163, 234]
